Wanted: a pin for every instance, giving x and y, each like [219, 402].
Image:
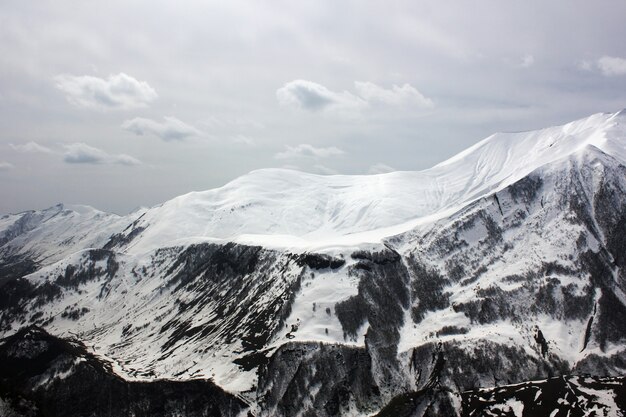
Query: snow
[321, 291]
[607, 406]
[546, 237]
[514, 406]
[285, 209]
[56, 372]
[298, 212]
[55, 233]
[290, 208]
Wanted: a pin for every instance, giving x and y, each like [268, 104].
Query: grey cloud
[527, 61]
[314, 97]
[214, 122]
[81, 153]
[244, 140]
[169, 130]
[120, 91]
[610, 65]
[78, 153]
[31, 147]
[5, 166]
[395, 96]
[306, 150]
[124, 159]
[585, 65]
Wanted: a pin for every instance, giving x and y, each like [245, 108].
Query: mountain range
[493, 283]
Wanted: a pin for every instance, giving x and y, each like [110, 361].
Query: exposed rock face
[318, 380]
[558, 397]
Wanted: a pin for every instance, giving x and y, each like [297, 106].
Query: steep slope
[337, 295]
[552, 241]
[520, 285]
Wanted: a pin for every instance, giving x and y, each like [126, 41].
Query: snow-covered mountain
[347, 295]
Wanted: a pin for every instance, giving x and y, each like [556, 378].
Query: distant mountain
[349, 295]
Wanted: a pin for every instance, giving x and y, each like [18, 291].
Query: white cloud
[311, 96]
[81, 153]
[170, 129]
[610, 65]
[118, 91]
[5, 166]
[31, 147]
[380, 168]
[395, 96]
[305, 150]
[528, 61]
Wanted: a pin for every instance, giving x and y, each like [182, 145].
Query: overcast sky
[121, 104]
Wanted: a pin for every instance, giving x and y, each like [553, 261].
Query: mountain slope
[36, 238]
[337, 295]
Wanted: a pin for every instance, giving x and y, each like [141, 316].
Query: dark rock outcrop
[42, 375]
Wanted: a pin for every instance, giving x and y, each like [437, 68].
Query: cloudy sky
[121, 104]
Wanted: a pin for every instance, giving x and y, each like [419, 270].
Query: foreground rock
[46, 376]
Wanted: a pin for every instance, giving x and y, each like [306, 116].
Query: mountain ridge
[284, 208]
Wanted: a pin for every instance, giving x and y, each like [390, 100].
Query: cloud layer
[81, 153]
[120, 91]
[312, 96]
[324, 170]
[406, 95]
[380, 168]
[171, 129]
[77, 153]
[527, 61]
[305, 150]
[315, 97]
[5, 166]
